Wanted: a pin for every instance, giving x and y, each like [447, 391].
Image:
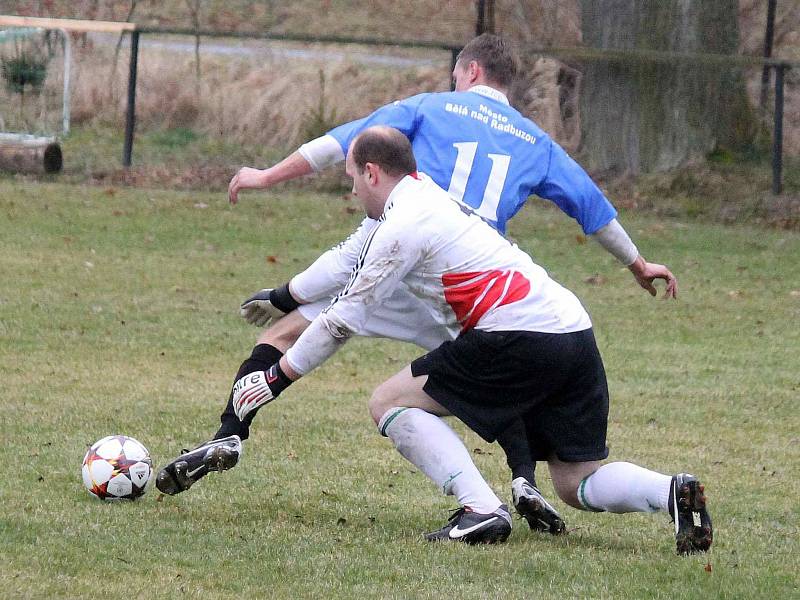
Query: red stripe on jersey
[472, 295]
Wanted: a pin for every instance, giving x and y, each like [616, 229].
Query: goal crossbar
[67, 24]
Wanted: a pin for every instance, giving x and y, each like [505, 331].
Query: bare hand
[246, 179]
[646, 273]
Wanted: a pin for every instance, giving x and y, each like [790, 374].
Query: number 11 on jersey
[494, 186]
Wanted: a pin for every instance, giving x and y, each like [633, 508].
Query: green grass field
[118, 314]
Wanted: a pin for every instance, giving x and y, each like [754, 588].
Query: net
[34, 83]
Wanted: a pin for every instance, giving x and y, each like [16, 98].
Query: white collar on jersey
[405, 183]
[489, 92]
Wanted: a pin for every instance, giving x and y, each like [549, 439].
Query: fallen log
[26, 156]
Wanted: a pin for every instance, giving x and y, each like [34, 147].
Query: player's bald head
[386, 147]
[495, 54]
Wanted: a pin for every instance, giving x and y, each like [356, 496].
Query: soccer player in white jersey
[490, 158]
[545, 366]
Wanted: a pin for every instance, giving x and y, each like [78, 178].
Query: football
[117, 468]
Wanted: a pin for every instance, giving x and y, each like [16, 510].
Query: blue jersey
[488, 156]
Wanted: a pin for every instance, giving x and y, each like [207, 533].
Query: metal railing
[585, 54]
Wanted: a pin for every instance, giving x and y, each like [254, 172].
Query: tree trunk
[640, 116]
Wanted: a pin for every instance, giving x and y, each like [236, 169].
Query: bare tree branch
[194, 11]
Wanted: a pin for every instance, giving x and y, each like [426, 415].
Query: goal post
[24, 147]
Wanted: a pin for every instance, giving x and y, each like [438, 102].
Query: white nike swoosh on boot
[191, 473]
[456, 532]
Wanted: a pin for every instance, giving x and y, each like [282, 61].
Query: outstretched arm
[248, 178]
[574, 192]
[388, 255]
[616, 241]
[326, 150]
[324, 278]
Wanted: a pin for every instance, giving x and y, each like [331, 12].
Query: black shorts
[554, 382]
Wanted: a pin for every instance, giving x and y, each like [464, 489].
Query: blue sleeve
[573, 191]
[401, 115]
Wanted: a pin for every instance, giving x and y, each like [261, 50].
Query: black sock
[261, 359]
[514, 442]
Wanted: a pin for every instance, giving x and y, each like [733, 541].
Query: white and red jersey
[466, 274]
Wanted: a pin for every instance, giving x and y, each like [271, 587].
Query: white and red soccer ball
[117, 467]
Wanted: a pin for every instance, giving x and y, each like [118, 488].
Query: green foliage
[24, 71]
[177, 137]
[321, 118]
[119, 313]
[744, 134]
[192, 159]
[722, 155]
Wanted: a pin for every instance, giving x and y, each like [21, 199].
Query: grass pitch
[118, 314]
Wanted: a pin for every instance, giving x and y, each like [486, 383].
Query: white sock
[428, 443]
[622, 487]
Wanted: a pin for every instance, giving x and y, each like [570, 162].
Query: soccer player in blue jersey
[490, 158]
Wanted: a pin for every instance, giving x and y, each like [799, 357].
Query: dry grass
[265, 100]
[448, 20]
[258, 100]
[250, 109]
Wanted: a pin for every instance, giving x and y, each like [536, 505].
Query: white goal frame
[64, 27]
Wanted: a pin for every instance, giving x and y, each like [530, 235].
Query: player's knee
[568, 494]
[567, 479]
[382, 399]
